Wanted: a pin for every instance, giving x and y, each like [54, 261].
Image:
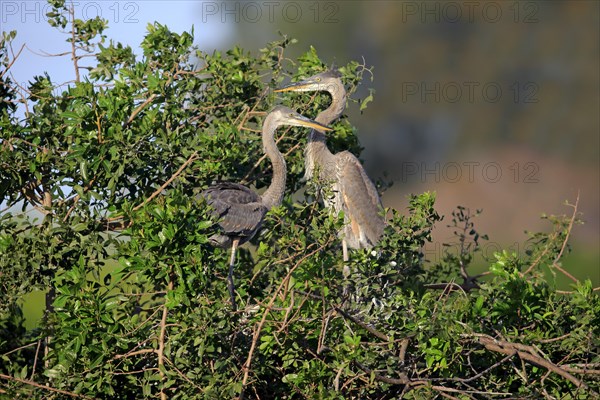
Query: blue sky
[127, 21]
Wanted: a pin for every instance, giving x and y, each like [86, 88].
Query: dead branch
[480, 374]
[525, 353]
[419, 383]
[44, 387]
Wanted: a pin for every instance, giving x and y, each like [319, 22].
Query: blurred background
[493, 105]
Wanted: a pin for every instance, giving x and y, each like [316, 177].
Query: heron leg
[346, 268]
[230, 284]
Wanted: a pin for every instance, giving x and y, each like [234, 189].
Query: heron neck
[338, 103]
[316, 148]
[273, 196]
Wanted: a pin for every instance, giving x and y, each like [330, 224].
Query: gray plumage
[240, 210]
[352, 190]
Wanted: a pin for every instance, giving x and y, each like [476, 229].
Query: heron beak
[309, 123]
[296, 86]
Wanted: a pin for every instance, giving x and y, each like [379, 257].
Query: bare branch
[161, 339]
[140, 108]
[260, 325]
[14, 59]
[562, 249]
[564, 245]
[35, 358]
[73, 48]
[44, 387]
[19, 348]
[134, 353]
[158, 191]
[526, 353]
[168, 182]
[363, 325]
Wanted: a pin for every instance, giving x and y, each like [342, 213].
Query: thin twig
[181, 374]
[10, 64]
[175, 73]
[73, 48]
[363, 325]
[140, 108]
[526, 353]
[556, 339]
[78, 197]
[403, 380]
[161, 340]
[260, 325]
[35, 359]
[168, 182]
[572, 291]
[135, 353]
[472, 378]
[562, 249]
[160, 189]
[19, 348]
[40, 386]
[139, 371]
[564, 245]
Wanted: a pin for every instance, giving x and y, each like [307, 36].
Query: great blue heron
[352, 190]
[241, 210]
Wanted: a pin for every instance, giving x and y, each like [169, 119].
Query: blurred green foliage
[113, 164]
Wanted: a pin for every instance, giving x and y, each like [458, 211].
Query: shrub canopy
[98, 185]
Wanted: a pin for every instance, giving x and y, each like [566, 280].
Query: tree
[137, 299]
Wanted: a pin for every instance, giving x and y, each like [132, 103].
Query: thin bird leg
[345, 250]
[346, 268]
[230, 284]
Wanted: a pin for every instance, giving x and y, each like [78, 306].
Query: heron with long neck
[352, 190]
[240, 210]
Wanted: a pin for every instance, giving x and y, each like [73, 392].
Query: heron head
[324, 81]
[286, 116]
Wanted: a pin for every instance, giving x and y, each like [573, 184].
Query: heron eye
[318, 79]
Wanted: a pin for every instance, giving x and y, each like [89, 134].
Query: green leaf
[367, 100]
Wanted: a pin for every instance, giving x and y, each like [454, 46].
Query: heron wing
[360, 200]
[240, 209]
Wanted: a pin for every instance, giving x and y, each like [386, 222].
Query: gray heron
[241, 210]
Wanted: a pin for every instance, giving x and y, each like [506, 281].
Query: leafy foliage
[106, 172]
